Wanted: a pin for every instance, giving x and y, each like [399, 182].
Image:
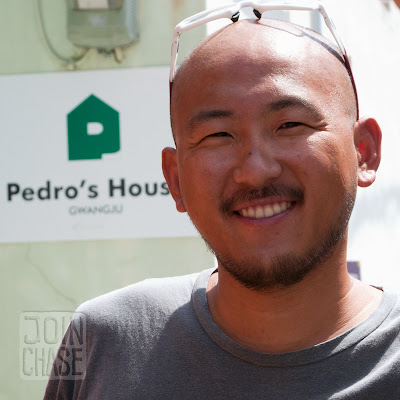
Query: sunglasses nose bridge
[257, 13]
[235, 17]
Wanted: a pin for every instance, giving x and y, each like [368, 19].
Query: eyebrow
[206, 115]
[294, 102]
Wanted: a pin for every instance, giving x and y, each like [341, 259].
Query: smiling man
[269, 153]
[268, 156]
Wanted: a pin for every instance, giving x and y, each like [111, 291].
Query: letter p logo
[93, 129]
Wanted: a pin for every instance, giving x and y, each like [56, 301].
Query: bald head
[270, 46]
[264, 118]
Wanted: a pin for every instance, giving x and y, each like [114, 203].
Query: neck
[323, 305]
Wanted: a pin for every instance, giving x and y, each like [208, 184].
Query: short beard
[282, 271]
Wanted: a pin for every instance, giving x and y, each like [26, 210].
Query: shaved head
[268, 150]
[265, 43]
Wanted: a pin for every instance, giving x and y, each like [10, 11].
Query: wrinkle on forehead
[266, 44]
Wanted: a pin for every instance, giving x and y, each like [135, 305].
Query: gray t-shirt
[157, 340]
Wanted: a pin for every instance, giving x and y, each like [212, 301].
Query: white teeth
[259, 212]
[266, 211]
[277, 208]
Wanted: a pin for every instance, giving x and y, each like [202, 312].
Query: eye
[219, 134]
[288, 125]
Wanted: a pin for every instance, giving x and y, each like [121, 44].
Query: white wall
[371, 31]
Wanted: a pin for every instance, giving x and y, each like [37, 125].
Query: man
[269, 153]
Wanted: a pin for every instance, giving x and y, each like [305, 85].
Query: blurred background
[100, 67]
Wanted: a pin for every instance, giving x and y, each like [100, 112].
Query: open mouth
[266, 211]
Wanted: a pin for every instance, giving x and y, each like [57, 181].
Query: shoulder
[383, 325]
[394, 314]
[157, 296]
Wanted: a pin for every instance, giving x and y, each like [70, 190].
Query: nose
[257, 166]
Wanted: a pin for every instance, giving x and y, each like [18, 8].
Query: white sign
[81, 156]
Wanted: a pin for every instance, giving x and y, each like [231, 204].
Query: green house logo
[93, 130]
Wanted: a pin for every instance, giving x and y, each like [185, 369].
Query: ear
[367, 139]
[171, 175]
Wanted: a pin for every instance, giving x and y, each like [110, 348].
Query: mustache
[274, 189]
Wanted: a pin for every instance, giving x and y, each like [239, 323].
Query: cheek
[201, 182]
[342, 157]
[334, 152]
[332, 168]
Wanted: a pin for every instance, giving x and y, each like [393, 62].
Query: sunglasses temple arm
[192, 22]
[348, 67]
[331, 26]
[174, 54]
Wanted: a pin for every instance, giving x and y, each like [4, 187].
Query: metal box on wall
[102, 24]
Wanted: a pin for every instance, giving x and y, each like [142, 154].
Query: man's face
[266, 162]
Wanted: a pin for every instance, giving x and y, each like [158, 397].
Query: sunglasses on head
[232, 12]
